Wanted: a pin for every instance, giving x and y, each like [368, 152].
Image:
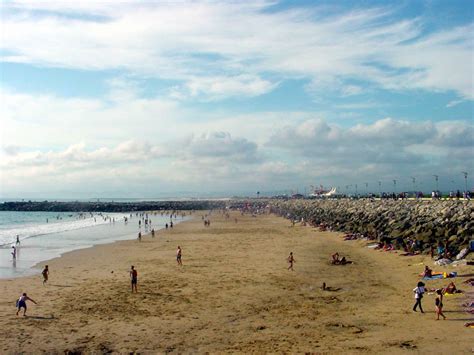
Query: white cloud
[299, 153]
[222, 49]
[220, 87]
[220, 145]
[47, 120]
[386, 145]
[181, 160]
[453, 103]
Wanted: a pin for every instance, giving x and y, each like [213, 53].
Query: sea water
[46, 235]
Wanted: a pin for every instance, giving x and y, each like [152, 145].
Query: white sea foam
[8, 234]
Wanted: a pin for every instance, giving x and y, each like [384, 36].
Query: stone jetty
[428, 222]
[87, 206]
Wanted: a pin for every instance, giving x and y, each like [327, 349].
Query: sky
[147, 99]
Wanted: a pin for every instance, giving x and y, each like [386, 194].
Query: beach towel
[434, 273]
[441, 276]
[434, 277]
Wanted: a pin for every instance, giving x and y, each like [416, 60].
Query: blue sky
[214, 98]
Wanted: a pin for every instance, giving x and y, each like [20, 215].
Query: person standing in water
[21, 303]
[291, 261]
[45, 274]
[419, 290]
[439, 304]
[178, 256]
[134, 278]
[17, 239]
[14, 253]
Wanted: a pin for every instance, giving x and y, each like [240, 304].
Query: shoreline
[233, 293]
[39, 249]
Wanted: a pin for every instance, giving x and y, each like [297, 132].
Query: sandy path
[233, 294]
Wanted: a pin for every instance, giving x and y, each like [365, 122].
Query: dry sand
[233, 294]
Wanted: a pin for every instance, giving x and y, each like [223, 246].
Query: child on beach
[178, 256]
[21, 303]
[134, 278]
[291, 261]
[439, 304]
[419, 290]
[45, 274]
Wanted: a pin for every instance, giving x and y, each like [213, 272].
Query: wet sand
[233, 294]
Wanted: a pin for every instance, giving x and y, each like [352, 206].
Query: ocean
[46, 235]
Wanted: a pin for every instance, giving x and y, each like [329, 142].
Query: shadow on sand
[41, 317]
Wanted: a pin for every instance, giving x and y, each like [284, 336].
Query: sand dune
[233, 294]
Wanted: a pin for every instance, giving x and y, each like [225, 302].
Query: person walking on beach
[45, 274]
[419, 290]
[21, 303]
[178, 256]
[134, 278]
[439, 304]
[291, 261]
[139, 236]
[153, 233]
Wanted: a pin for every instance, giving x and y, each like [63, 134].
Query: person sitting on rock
[440, 249]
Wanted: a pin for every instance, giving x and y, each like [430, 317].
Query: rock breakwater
[78, 206]
[427, 222]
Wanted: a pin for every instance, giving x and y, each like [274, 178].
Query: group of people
[420, 290]
[21, 302]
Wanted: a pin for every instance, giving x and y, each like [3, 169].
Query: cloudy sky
[153, 99]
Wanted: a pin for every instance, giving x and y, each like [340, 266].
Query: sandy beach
[232, 294]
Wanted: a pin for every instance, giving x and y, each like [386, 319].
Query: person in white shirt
[419, 290]
[21, 303]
